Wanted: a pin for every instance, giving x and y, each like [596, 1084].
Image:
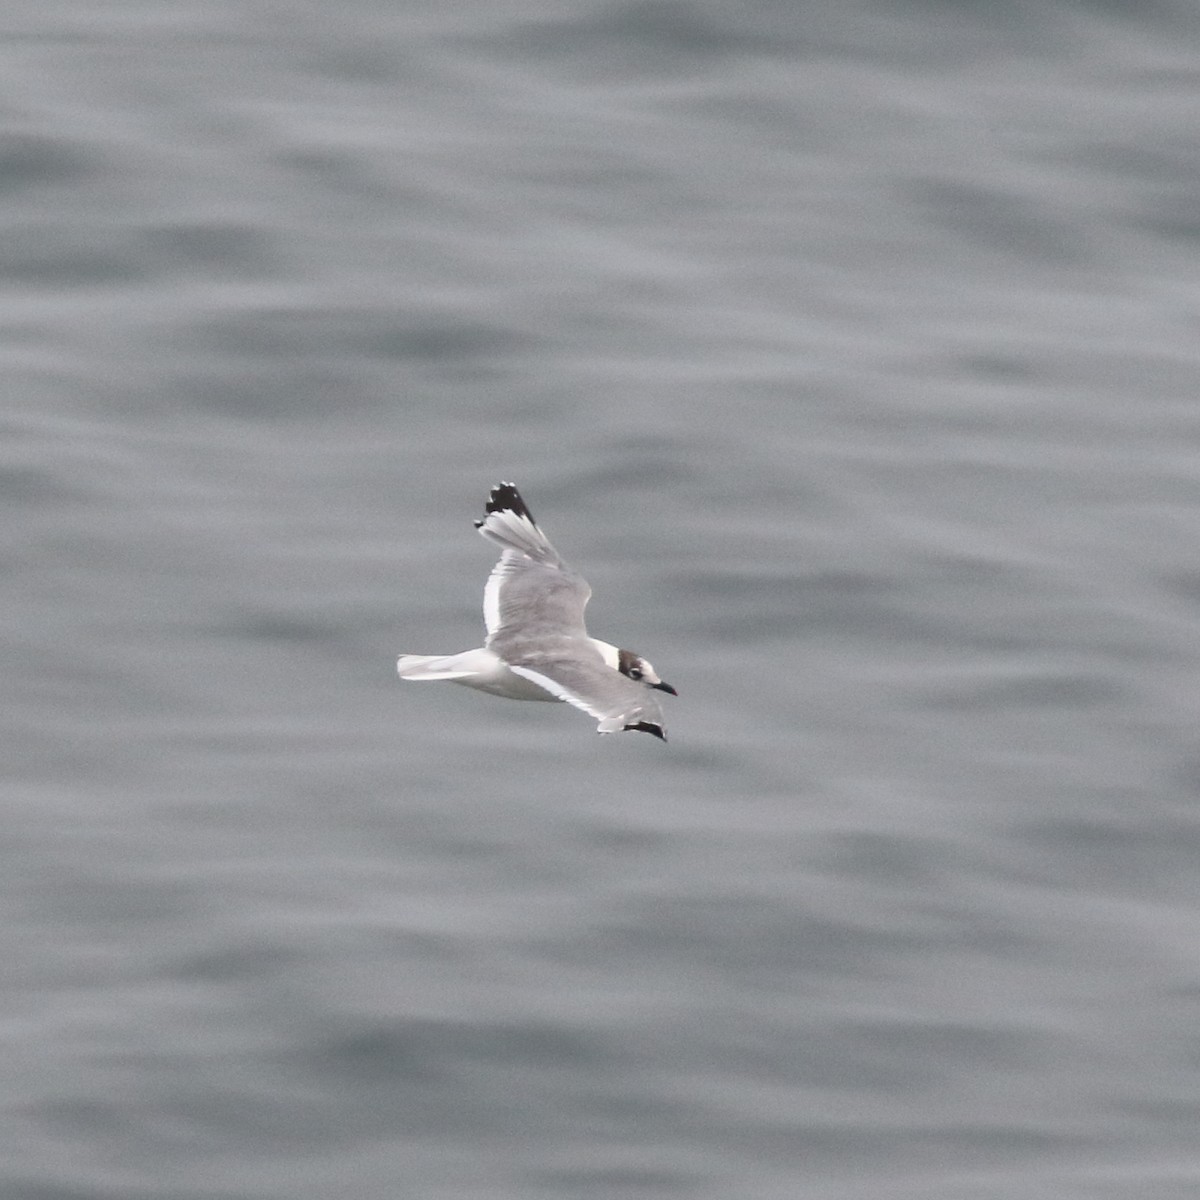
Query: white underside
[479, 669]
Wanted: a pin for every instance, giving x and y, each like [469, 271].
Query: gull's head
[641, 670]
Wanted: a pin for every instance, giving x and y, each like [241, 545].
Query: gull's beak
[664, 687]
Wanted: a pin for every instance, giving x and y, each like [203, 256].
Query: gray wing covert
[526, 600]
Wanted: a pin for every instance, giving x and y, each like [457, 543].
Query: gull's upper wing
[526, 598]
[531, 591]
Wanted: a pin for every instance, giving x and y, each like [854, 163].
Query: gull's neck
[610, 654]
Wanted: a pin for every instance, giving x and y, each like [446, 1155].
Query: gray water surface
[850, 351]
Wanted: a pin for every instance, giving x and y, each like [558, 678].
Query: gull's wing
[531, 592]
[578, 675]
[533, 608]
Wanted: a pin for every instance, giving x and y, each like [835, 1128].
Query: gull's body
[537, 646]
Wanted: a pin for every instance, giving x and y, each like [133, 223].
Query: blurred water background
[851, 350]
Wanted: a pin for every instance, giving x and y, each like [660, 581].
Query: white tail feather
[431, 666]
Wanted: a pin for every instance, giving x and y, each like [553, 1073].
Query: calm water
[850, 350]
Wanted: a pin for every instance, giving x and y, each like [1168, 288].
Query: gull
[537, 647]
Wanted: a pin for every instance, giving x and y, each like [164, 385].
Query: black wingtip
[647, 727]
[505, 498]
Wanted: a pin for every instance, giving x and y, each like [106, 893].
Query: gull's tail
[508, 522]
[435, 666]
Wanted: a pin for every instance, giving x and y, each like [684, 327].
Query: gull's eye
[635, 672]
